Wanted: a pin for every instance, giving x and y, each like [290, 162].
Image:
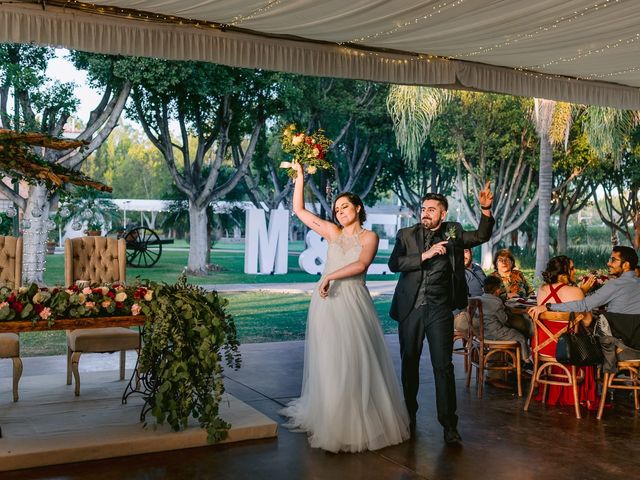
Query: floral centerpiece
[35, 303]
[308, 150]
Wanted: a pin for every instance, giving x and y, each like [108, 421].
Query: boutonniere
[450, 233]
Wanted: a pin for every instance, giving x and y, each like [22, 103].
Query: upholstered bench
[10, 348]
[103, 340]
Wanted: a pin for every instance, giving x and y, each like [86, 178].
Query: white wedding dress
[350, 399]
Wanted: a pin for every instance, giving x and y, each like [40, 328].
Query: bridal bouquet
[308, 150]
[600, 279]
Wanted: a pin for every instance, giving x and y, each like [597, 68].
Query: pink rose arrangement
[35, 303]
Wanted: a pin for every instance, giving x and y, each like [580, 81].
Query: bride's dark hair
[355, 201]
[557, 266]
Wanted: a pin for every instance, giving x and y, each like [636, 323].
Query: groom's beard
[431, 224]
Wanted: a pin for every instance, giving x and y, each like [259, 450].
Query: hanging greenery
[18, 161]
[186, 336]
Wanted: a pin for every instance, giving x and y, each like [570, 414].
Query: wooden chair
[96, 260]
[496, 355]
[465, 338]
[627, 378]
[11, 275]
[544, 363]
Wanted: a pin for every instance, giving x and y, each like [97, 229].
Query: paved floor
[500, 440]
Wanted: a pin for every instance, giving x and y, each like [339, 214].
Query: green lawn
[269, 317]
[172, 263]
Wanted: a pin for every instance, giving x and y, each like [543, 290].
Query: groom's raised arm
[473, 238]
[400, 260]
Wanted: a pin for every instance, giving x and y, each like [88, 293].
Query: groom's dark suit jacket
[406, 255]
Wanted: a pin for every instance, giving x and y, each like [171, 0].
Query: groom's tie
[428, 238]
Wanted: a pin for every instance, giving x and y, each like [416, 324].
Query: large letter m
[266, 248]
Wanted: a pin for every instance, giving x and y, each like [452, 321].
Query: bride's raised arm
[326, 229]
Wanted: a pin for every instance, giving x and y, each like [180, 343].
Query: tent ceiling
[584, 51]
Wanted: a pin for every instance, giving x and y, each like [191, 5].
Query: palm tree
[413, 110]
[543, 120]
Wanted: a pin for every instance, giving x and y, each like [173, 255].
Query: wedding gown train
[350, 399]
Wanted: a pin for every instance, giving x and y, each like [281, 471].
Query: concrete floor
[500, 440]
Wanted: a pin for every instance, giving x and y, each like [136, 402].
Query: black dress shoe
[452, 437]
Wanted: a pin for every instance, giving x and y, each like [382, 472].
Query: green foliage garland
[186, 335]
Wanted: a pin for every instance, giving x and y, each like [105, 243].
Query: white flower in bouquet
[308, 150]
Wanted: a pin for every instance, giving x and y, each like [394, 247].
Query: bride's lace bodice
[343, 250]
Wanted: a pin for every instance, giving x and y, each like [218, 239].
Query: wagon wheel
[143, 247]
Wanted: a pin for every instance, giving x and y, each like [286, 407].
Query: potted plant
[52, 241]
[94, 228]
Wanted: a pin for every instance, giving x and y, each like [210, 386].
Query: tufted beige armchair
[96, 260]
[11, 275]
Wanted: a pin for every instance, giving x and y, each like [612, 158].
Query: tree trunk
[198, 248]
[562, 229]
[34, 256]
[486, 254]
[545, 185]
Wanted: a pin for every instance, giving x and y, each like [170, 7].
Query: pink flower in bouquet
[106, 303]
[87, 290]
[135, 309]
[90, 305]
[45, 313]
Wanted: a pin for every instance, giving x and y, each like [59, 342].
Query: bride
[350, 397]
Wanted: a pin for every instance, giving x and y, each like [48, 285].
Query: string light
[435, 10]
[380, 56]
[609, 46]
[384, 58]
[132, 14]
[237, 20]
[613, 74]
[577, 14]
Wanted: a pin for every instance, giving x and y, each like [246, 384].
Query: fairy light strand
[380, 56]
[237, 20]
[592, 51]
[435, 11]
[541, 29]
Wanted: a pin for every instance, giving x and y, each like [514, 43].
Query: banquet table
[19, 326]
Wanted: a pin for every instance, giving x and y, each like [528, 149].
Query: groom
[430, 259]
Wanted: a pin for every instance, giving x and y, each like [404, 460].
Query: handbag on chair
[578, 347]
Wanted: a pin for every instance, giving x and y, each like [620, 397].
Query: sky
[64, 71]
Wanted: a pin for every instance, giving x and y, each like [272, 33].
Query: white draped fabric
[572, 50]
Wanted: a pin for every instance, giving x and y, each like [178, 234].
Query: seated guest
[474, 275]
[513, 282]
[475, 278]
[558, 291]
[514, 285]
[496, 323]
[621, 295]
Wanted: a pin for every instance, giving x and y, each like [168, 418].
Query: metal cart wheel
[144, 247]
